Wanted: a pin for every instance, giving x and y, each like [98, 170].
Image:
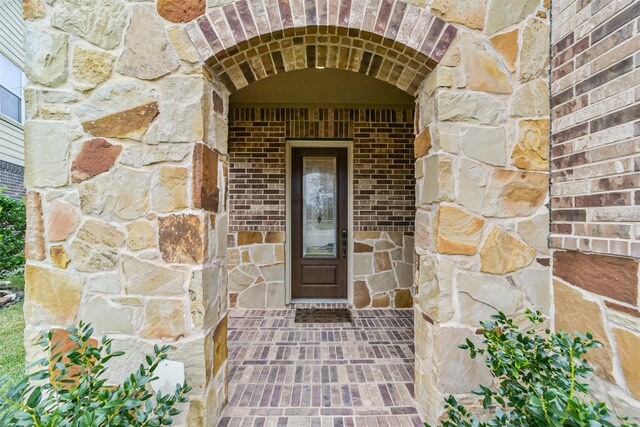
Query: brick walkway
[287, 374]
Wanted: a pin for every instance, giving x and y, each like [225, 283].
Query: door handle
[344, 233]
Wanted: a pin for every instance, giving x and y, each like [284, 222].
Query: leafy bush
[71, 389]
[12, 228]
[541, 379]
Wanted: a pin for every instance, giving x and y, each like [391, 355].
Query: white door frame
[318, 144]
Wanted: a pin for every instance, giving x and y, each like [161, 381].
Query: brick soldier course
[137, 185]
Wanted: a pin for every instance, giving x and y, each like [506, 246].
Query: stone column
[482, 190]
[126, 176]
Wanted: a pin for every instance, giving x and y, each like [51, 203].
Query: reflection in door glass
[319, 206]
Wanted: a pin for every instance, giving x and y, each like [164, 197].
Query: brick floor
[287, 374]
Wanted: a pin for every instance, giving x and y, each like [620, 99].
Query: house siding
[11, 133]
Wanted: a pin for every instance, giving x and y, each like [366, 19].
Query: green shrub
[541, 379]
[70, 390]
[12, 229]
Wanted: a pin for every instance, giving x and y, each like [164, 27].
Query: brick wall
[12, 178]
[595, 100]
[383, 194]
[383, 163]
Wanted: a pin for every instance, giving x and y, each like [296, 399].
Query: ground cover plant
[541, 379]
[70, 388]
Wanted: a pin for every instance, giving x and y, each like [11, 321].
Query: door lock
[344, 233]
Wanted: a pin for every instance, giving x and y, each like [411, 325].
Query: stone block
[59, 256]
[34, 245]
[435, 287]
[361, 294]
[181, 239]
[403, 298]
[537, 286]
[488, 145]
[108, 317]
[472, 178]
[574, 313]
[147, 52]
[169, 189]
[140, 235]
[506, 44]
[181, 117]
[96, 246]
[481, 66]
[472, 107]
[96, 156]
[532, 150]
[465, 12]
[146, 278]
[502, 253]
[457, 231]
[534, 232]
[609, 276]
[438, 179]
[46, 57]
[253, 297]
[530, 100]
[164, 319]
[90, 67]
[220, 348]
[628, 345]
[534, 55]
[46, 154]
[505, 13]
[181, 10]
[43, 290]
[206, 194]
[204, 291]
[482, 295]
[422, 143]
[513, 194]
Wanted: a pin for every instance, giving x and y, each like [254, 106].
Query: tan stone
[435, 287]
[534, 232]
[473, 107]
[537, 285]
[422, 229]
[95, 247]
[145, 278]
[512, 193]
[99, 21]
[438, 183]
[262, 254]
[531, 100]
[33, 9]
[90, 67]
[628, 350]
[275, 237]
[203, 296]
[96, 156]
[532, 150]
[111, 194]
[502, 253]
[182, 44]
[220, 349]
[507, 45]
[361, 295]
[403, 298]
[457, 231]
[46, 57]
[108, 316]
[140, 235]
[466, 12]
[164, 319]
[249, 237]
[181, 117]
[534, 55]
[59, 256]
[488, 145]
[422, 144]
[482, 68]
[51, 296]
[253, 297]
[46, 153]
[181, 239]
[362, 247]
[34, 235]
[381, 282]
[574, 313]
[121, 108]
[147, 52]
[381, 301]
[505, 13]
[382, 261]
[472, 184]
[169, 189]
[481, 296]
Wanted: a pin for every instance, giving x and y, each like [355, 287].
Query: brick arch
[249, 40]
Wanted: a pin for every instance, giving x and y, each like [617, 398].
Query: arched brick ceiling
[249, 40]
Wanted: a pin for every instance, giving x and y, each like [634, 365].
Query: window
[11, 83]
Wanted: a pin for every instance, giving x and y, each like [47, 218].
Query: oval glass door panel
[319, 191]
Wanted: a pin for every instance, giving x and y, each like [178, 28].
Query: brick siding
[12, 179]
[383, 163]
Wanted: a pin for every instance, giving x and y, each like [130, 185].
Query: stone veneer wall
[482, 222]
[595, 93]
[383, 193]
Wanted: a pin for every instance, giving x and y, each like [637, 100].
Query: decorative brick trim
[384, 181]
[246, 41]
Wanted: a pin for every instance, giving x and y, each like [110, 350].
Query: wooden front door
[319, 216]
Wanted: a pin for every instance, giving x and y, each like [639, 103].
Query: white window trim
[21, 96]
